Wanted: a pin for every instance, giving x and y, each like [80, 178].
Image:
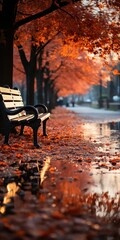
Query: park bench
[14, 113]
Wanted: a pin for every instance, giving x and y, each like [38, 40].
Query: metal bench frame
[14, 113]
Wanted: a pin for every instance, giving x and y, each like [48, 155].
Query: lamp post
[100, 92]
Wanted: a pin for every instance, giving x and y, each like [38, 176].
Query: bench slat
[15, 91]
[9, 105]
[7, 97]
[20, 118]
[14, 98]
[17, 98]
[13, 116]
[41, 116]
[18, 104]
[10, 91]
[5, 90]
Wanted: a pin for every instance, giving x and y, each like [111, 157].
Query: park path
[69, 188]
[90, 114]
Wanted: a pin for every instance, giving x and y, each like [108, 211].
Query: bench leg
[35, 132]
[6, 139]
[21, 130]
[44, 128]
[7, 133]
[35, 126]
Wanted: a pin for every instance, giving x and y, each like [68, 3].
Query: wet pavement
[103, 126]
[70, 189]
[96, 115]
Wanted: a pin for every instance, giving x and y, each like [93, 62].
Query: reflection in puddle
[46, 165]
[12, 189]
[114, 125]
[106, 169]
[107, 135]
[77, 189]
[31, 181]
[106, 182]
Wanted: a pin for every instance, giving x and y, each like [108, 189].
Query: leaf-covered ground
[45, 193]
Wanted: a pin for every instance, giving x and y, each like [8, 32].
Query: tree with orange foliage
[40, 70]
[30, 67]
[11, 18]
[87, 25]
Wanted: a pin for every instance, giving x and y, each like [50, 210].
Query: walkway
[99, 115]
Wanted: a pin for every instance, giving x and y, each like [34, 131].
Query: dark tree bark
[40, 75]
[46, 91]
[7, 20]
[39, 80]
[52, 96]
[30, 70]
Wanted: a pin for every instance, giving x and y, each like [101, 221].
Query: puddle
[107, 135]
[106, 169]
[14, 189]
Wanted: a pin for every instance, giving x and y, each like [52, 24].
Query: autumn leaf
[3, 163]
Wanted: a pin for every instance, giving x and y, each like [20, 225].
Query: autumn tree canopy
[10, 22]
[91, 26]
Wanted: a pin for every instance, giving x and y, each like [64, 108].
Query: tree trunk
[7, 20]
[40, 74]
[30, 89]
[30, 70]
[39, 80]
[46, 92]
[52, 99]
[6, 58]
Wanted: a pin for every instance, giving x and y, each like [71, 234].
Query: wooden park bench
[14, 113]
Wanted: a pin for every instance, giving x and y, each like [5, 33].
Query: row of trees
[68, 28]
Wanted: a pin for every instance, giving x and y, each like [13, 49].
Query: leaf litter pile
[46, 193]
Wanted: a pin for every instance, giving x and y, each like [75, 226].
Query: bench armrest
[30, 108]
[40, 105]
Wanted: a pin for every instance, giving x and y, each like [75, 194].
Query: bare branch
[47, 11]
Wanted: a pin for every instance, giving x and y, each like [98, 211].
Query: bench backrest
[12, 99]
